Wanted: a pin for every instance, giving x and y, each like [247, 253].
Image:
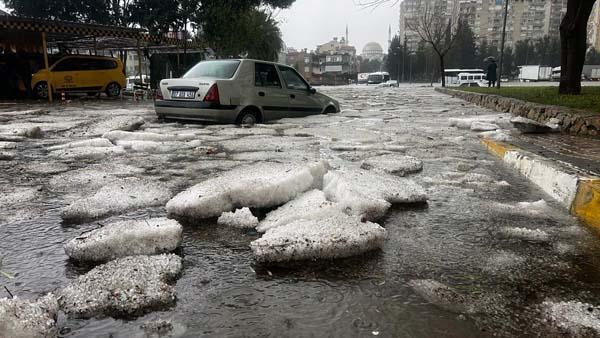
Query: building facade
[527, 19]
[332, 63]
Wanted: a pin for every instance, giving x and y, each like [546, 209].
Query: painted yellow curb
[497, 148]
[586, 205]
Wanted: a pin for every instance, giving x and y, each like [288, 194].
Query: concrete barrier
[578, 193]
[571, 121]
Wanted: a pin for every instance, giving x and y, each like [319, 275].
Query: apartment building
[527, 19]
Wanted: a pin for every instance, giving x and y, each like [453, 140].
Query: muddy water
[457, 239]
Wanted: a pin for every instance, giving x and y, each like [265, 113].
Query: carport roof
[79, 35]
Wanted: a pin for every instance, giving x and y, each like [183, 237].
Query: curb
[577, 193]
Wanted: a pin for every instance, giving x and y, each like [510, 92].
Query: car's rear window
[223, 69]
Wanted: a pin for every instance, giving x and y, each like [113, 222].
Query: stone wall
[572, 121]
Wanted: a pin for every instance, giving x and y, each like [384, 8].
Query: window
[292, 79]
[265, 75]
[222, 69]
[66, 65]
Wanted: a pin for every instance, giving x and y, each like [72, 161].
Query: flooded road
[507, 251]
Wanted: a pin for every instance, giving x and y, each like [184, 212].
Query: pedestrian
[491, 73]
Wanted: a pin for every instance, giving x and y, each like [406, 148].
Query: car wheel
[330, 110]
[41, 90]
[248, 118]
[113, 89]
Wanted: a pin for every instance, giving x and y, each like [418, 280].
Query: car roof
[252, 60]
[88, 57]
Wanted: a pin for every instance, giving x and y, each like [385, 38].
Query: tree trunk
[573, 45]
[442, 70]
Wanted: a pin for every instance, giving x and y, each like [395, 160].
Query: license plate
[180, 94]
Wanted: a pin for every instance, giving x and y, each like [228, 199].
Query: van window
[222, 69]
[265, 75]
[66, 65]
[470, 77]
[292, 79]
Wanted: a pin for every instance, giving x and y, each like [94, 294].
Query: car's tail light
[158, 95]
[212, 95]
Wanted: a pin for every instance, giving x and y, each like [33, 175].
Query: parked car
[240, 91]
[81, 74]
[133, 80]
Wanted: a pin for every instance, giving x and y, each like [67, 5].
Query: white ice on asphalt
[124, 123]
[126, 238]
[241, 218]
[535, 235]
[576, 318]
[311, 205]
[262, 185]
[8, 145]
[87, 153]
[326, 238]
[496, 135]
[29, 131]
[117, 197]
[441, 295]
[483, 126]
[157, 147]
[370, 194]
[118, 135]
[367, 147]
[20, 318]
[394, 164]
[502, 261]
[125, 287]
[91, 177]
[94, 142]
[467, 122]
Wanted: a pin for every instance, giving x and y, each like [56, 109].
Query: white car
[240, 91]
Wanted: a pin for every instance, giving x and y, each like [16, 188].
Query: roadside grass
[589, 100]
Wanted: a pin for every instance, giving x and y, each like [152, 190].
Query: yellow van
[81, 74]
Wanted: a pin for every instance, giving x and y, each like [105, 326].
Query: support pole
[45, 49]
[139, 52]
[502, 43]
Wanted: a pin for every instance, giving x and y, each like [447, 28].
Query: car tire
[330, 110]
[41, 90]
[113, 89]
[248, 117]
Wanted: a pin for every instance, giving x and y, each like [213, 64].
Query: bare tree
[573, 41]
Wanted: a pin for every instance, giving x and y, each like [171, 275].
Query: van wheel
[41, 90]
[113, 89]
[248, 117]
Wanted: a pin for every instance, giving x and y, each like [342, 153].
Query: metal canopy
[79, 35]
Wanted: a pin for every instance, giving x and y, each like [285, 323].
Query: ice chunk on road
[442, 295]
[537, 208]
[125, 287]
[7, 155]
[17, 196]
[267, 143]
[333, 237]
[124, 123]
[367, 147]
[502, 261]
[8, 145]
[575, 318]
[95, 142]
[369, 194]
[157, 147]
[20, 318]
[536, 235]
[241, 218]
[116, 198]
[126, 238]
[496, 135]
[394, 164]
[483, 126]
[29, 132]
[91, 177]
[311, 205]
[117, 135]
[466, 122]
[262, 185]
[87, 153]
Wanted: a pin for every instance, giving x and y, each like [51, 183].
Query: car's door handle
[292, 96]
[261, 93]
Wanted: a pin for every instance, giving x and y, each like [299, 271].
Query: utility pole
[502, 43]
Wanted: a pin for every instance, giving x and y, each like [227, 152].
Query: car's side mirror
[312, 90]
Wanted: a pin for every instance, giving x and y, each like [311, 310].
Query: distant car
[240, 91]
[81, 74]
[133, 80]
[391, 83]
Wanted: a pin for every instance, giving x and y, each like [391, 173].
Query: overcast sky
[309, 23]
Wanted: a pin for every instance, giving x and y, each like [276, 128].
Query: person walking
[491, 73]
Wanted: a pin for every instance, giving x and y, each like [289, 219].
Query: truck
[595, 74]
[363, 78]
[535, 73]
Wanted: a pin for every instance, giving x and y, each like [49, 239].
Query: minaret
[390, 36]
[347, 41]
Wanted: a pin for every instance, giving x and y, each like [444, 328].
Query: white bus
[452, 75]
